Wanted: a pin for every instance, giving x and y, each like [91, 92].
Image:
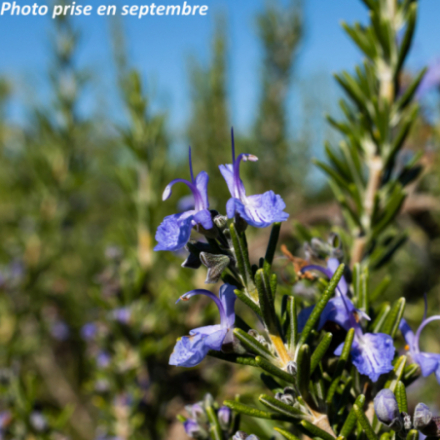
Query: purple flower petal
[429, 362]
[335, 311]
[259, 211]
[407, 333]
[202, 185]
[372, 354]
[189, 351]
[227, 172]
[174, 231]
[228, 297]
[204, 218]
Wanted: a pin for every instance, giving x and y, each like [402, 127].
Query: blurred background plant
[87, 314]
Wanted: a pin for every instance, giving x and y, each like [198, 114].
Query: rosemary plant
[332, 369]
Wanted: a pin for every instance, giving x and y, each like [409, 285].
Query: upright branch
[366, 171]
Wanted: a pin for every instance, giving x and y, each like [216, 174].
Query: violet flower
[429, 362]
[191, 350]
[430, 80]
[259, 210]
[337, 310]
[174, 231]
[89, 331]
[371, 353]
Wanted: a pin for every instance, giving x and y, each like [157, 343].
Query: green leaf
[274, 370]
[281, 407]
[271, 246]
[315, 431]
[413, 435]
[380, 289]
[350, 421]
[395, 376]
[340, 365]
[248, 301]
[362, 419]
[292, 329]
[405, 44]
[320, 351]
[381, 317]
[392, 322]
[286, 434]
[251, 344]
[253, 412]
[235, 359]
[303, 372]
[242, 257]
[214, 428]
[401, 398]
[266, 301]
[409, 93]
[325, 298]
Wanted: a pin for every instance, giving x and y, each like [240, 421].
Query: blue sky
[160, 47]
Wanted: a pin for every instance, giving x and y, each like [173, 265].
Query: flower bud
[194, 430]
[240, 435]
[38, 421]
[387, 409]
[425, 422]
[216, 264]
[224, 416]
[291, 368]
[221, 221]
[197, 412]
[288, 399]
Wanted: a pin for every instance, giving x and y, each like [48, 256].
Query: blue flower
[387, 409]
[89, 331]
[174, 231]
[371, 353]
[429, 362]
[338, 309]
[191, 350]
[259, 210]
[430, 80]
[121, 314]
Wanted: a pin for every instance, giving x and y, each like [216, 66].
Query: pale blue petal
[372, 354]
[231, 207]
[262, 210]
[204, 218]
[407, 333]
[189, 351]
[174, 231]
[202, 185]
[228, 174]
[429, 362]
[228, 297]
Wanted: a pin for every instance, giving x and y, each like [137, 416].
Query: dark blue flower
[191, 350]
[89, 331]
[371, 353]
[259, 210]
[174, 231]
[429, 362]
[338, 309]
